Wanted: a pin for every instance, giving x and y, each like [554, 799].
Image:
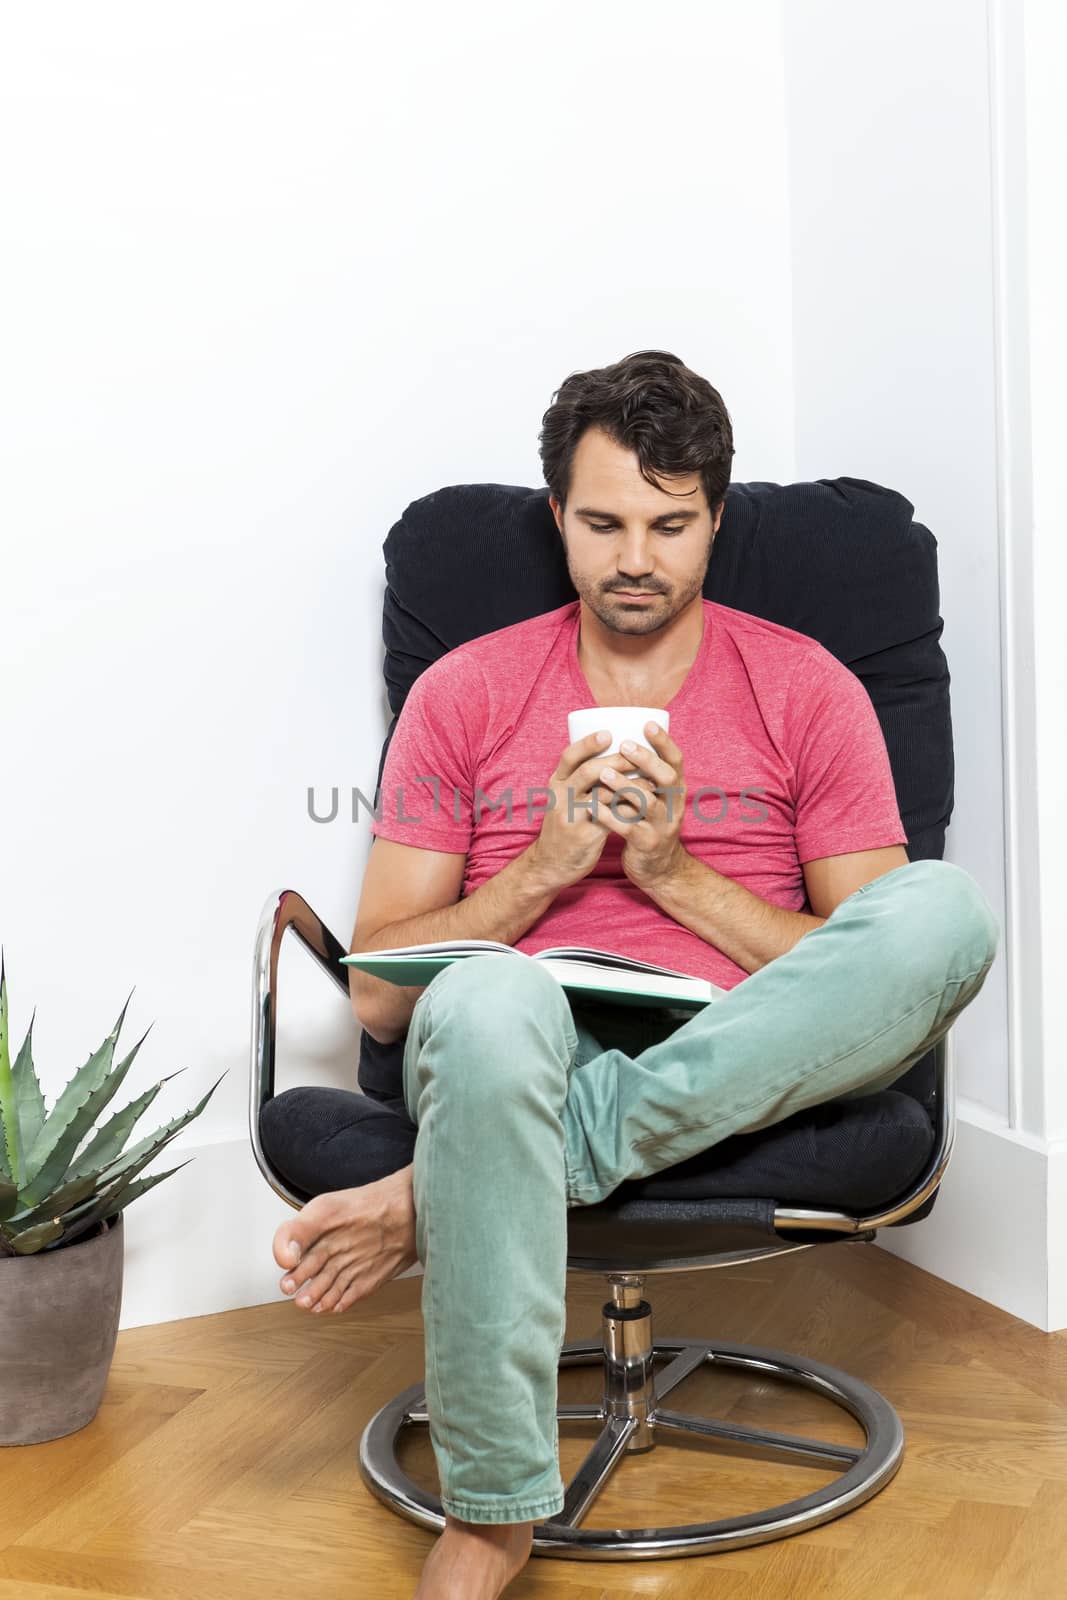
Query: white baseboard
[1057, 1236]
[989, 1231]
[200, 1243]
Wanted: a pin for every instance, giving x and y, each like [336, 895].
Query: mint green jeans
[522, 1112]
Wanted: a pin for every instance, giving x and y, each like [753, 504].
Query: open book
[599, 973]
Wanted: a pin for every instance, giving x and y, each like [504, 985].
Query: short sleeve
[427, 786]
[845, 798]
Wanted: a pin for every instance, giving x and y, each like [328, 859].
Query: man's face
[620, 533]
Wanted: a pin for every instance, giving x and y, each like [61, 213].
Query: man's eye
[600, 527]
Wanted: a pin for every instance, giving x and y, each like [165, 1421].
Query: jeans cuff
[504, 1510]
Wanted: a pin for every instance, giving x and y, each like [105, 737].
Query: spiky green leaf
[8, 1149]
[29, 1100]
[58, 1203]
[41, 1180]
[155, 1140]
[84, 1083]
[117, 1177]
[118, 1202]
[103, 1193]
[28, 1243]
[107, 1146]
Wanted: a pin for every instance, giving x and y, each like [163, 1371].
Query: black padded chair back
[840, 560]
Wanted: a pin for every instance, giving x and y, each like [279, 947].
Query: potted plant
[61, 1235]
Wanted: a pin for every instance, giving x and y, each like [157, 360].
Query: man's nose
[634, 558]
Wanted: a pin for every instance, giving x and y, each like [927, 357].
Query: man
[789, 888]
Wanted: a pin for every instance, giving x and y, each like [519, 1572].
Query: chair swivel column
[628, 1385]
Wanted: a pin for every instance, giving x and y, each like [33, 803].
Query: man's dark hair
[650, 403]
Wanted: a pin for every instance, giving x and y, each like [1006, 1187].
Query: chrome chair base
[635, 1420]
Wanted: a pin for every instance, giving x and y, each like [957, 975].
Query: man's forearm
[502, 908]
[745, 928]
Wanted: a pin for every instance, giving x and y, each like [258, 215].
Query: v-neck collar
[681, 695]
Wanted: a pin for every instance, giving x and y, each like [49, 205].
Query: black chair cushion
[854, 1155]
[320, 1139]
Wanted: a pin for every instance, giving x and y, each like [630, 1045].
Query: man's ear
[556, 512]
[717, 518]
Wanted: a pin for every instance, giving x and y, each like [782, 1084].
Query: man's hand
[571, 840]
[649, 821]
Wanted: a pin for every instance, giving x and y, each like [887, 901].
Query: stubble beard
[615, 614]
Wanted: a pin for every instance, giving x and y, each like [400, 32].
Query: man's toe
[303, 1230]
[318, 1286]
[288, 1235]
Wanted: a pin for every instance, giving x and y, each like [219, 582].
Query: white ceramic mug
[623, 722]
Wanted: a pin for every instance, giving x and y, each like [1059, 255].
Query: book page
[444, 947]
[647, 986]
[606, 958]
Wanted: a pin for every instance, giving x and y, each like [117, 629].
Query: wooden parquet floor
[223, 1461]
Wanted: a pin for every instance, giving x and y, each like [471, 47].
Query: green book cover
[626, 984]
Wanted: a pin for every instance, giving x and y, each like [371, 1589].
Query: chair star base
[635, 1420]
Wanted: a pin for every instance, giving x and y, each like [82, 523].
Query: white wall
[929, 250]
[268, 273]
[1036, 356]
[1043, 407]
[894, 355]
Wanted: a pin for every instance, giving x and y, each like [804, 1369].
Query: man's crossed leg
[513, 1129]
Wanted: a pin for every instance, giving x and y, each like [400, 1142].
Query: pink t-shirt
[781, 738]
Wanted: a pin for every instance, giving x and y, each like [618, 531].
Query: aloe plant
[52, 1192]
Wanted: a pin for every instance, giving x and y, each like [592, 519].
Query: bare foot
[475, 1560]
[348, 1242]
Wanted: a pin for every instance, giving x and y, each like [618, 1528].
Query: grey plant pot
[59, 1316]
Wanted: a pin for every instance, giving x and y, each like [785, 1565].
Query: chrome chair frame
[631, 1412]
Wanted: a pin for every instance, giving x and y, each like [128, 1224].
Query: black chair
[843, 562]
